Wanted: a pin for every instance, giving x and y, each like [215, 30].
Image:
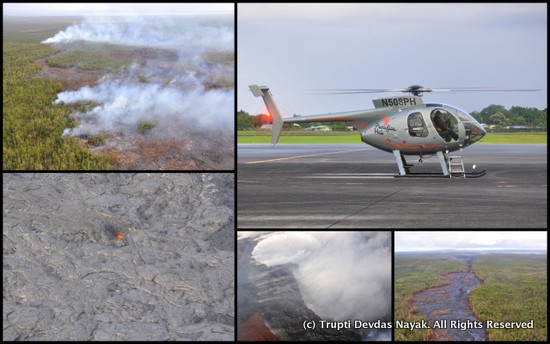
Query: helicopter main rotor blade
[483, 89]
[345, 92]
[359, 89]
[352, 90]
[332, 91]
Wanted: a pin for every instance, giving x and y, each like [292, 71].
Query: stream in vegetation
[449, 305]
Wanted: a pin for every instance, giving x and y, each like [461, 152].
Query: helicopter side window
[416, 124]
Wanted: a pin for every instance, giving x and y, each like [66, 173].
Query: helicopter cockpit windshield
[453, 121]
[445, 123]
[472, 129]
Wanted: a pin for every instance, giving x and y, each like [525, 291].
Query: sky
[80, 9]
[431, 241]
[293, 48]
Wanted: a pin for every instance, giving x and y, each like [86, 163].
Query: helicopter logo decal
[381, 129]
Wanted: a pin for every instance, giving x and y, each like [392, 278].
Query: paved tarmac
[350, 186]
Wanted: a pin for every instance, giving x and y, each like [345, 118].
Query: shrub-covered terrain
[32, 125]
[515, 290]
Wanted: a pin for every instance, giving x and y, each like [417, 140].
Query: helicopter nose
[480, 129]
[474, 132]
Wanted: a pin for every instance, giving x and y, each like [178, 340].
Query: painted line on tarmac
[305, 156]
[350, 176]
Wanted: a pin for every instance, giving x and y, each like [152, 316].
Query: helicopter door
[417, 126]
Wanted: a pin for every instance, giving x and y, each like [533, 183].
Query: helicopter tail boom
[263, 91]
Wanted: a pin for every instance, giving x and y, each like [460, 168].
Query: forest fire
[151, 101]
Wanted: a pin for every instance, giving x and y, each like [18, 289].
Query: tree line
[499, 116]
[496, 115]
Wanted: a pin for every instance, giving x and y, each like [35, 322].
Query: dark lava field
[118, 256]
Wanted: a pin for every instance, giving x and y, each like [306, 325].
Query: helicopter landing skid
[444, 160]
[440, 175]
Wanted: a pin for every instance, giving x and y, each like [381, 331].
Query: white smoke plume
[168, 83]
[157, 32]
[342, 275]
[128, 104]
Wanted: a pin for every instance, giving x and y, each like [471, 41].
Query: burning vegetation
[129, 88]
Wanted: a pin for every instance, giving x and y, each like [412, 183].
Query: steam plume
[342, 275]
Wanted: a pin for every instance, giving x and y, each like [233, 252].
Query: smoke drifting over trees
[214, 32]
[167, 87]
[173, 73]
[128, 104]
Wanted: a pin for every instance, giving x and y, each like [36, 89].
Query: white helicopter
[402, 125]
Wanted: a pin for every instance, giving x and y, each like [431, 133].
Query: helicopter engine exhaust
[263, 91]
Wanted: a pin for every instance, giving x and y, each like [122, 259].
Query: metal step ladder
[456, 165]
